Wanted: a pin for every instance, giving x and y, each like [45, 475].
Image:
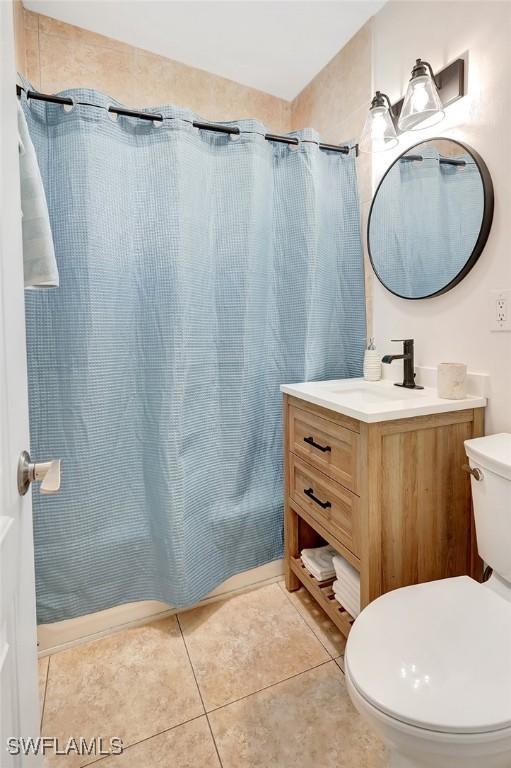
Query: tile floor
[252, 681]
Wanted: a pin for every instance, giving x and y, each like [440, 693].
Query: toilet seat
[436, 656]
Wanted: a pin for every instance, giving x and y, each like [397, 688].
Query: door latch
[45, 472]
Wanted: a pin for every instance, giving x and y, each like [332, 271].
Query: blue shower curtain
[197, 274]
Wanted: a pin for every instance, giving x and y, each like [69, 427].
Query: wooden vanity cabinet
[391, 497]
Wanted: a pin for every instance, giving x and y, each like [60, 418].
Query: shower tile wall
[55, 55]
[19, 35]
[335, 102]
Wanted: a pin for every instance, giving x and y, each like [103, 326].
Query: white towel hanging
[39, 263]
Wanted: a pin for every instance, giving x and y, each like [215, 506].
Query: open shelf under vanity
[324, 594]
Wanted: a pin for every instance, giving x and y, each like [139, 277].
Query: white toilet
[429, 666]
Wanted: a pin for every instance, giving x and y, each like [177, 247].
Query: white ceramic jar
[452, 381]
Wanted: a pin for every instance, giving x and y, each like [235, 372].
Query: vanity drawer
[331, 504]
[331, 448]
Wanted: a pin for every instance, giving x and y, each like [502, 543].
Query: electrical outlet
[500, 310]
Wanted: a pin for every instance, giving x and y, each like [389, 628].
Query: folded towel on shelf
[318, 573]
[322, 557]
[319, 561]
[349, 605]
[345, 570]
[348, 601]
[349, 584]
[346, 587]
[352, 591]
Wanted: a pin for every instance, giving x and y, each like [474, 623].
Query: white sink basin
[369, 393]
[377, 401]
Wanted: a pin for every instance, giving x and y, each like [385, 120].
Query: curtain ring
[235, 136]
[158, 123]
[69, 107]
[28, 98]
[111, 115]
[295, 147]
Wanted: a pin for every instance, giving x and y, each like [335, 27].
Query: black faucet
[408, 366]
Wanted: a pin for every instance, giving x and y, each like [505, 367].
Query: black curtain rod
[345, 150]
[442, 160]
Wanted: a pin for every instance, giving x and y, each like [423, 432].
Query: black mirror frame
[486, 220]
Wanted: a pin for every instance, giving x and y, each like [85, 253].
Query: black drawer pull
[310, 493]
[310, 441]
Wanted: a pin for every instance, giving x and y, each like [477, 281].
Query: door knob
[45, 472]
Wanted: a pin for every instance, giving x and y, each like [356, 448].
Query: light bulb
[420, 97]
[378, 126]
[422, 106]
[379, 133]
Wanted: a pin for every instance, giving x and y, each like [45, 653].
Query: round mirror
[430, 218]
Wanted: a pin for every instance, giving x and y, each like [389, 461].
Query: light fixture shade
[422, 106]
[379, 133]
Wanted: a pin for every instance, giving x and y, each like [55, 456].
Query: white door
[19, 706]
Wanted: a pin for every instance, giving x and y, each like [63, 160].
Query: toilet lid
[436, 656]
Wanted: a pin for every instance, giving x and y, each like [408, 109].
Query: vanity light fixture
[379, 133]
[422, 106]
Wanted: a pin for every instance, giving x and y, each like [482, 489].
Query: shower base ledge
[52, 638]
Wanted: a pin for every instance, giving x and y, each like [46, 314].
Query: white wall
[455, 326]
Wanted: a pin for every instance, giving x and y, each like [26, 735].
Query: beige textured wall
[58, 56]
[335, 103]
[19, 34]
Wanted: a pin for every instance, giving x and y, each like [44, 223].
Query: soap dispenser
[372, 363]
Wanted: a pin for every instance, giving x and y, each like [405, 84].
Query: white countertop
[377, 401]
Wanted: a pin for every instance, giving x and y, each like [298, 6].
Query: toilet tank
[492, 499]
